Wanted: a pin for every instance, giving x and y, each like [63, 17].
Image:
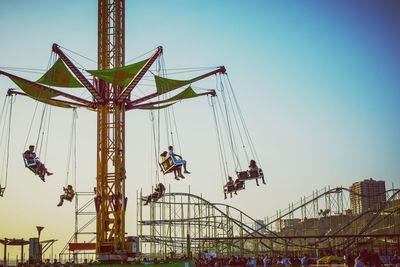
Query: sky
[317, 82]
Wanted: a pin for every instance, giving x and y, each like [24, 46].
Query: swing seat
[243, 175]
[69, 194]
[29, 165]
[156, 196]
[2, 189]
[234, 187]
[240, 185]
[256, 174]
[229, 188]
[168, 165]
[250, 175]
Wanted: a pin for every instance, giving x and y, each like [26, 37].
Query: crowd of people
[362, 259]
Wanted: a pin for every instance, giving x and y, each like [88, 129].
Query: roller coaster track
[251, 230]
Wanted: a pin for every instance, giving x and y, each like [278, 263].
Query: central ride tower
[110, 191]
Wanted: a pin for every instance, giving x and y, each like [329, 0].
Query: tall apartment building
[368, 195]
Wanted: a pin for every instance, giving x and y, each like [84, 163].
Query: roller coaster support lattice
[319, 224]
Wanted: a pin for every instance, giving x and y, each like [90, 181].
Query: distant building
[367, 195]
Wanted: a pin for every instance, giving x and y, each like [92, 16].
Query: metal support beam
[150, 96]
[126, 92]
[130, 107]
[77, 73]
[49, 90]
[14, 92]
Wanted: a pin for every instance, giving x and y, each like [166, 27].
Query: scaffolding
[183, 224]
[84, 232]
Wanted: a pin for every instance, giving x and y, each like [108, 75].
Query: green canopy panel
[58, 75]
[32, 90]
[185, 94]
[158, 107]
[53, 103]
[119, 76]
[165, 85]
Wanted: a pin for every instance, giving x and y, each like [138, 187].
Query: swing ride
[5, 123]
[110, 87]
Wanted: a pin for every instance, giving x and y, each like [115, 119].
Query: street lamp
[39, 229]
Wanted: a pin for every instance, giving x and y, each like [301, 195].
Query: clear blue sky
[318, 82]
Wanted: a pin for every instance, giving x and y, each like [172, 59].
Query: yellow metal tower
[110, 195]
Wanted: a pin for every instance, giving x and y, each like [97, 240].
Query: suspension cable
[39, 140]
[30, 126]
[48, 120]
[227, 124]
[247, 133]
[75, 147]
[6, 154]
[8, 139]
[71, 148]
[234, 111]
[222, 162]
[231, 135]
[176, 130]
[3, 126]
[76, 53]
[154, 144]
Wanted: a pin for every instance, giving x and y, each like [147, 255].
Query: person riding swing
[178, 160]
[157, 194]
[2, 189]
[229, 187]
[34, 164]
[177, 169]
[69, 194]
[254, 171]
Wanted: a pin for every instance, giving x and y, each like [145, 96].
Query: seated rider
[69, 194]
[229, 186]
[179, 161]
[177, 169]
[34, 164]
[160, 190]
[2, 189]
[157, 194]
[238, 184]
[253, 167]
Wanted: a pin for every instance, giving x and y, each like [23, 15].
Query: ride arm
[145, 98]
[149, 104]
[86, 103]
[77, 73]
[14, 92]
[128, 89]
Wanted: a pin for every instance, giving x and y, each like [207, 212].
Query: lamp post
[39, 229]
[39, 255]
